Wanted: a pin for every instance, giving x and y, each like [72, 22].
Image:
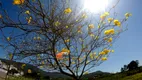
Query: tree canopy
[59, 35]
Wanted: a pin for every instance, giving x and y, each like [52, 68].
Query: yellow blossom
[104, 58]
[110, 40]
[96, 57]
[91, 56]
[112, 51]
[29, 71]
[110, 19]
[91, 26]
[91, 34]
[27, 12]
[128, 15]
[18, 2]
[67, 10]
[117, 22]
[38, 38]
[102, 53]
[94, 53]
[29, 19]
[34, 38]
[106, 13]
[99, 26]
[8, 38]
[57, 23]
[109, 32]
[97, 37]
[79, 31]
[73, 62]
[102, 17]
[67, 26]
[65, 50]
[106, 51]
[67, 40]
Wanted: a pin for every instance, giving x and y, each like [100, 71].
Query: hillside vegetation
[127, 75]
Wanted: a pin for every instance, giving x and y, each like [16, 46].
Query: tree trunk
[7, 72]
[75, 78]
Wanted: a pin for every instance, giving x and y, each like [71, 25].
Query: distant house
[12, 70]
[35, 70]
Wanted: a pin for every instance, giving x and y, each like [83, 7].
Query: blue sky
[129, 46]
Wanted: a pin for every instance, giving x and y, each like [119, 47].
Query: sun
[95, 6]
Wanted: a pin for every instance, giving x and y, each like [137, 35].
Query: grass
[19, 78]
[137, 76]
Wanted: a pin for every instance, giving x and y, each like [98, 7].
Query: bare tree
[59, 35]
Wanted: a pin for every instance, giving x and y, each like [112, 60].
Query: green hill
[137, 76]
[127, 75]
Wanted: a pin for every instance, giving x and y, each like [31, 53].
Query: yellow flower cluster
[29, 19]
[117, 22]
[109, 32]
[67, 10]
[27, 12]
[103, 16]
[37, 38]
[104, 58]
[8, 38]
[92, 55]
[65, 50]
[91, 26]
[109, 40]
[67, 40]
[104, 52]
[91, 34]
[110, 19]
[128, 15]
[18, 2]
